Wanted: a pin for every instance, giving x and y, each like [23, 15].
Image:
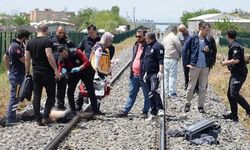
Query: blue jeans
[15, 82]
[170, 70]
[134, 86]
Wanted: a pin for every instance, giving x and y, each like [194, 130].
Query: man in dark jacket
[87, 44]
[136, 73]
[89, 41]
[197, 55]
[236, 64]
[183, 36]
[60, 38]
[153, 68]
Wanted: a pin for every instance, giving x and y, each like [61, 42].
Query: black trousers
[86, 77]
[186, 75]
[154, 97]
[235, 84]
[61, 90]
[41, 80]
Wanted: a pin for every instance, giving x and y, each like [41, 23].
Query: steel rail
[66, 130]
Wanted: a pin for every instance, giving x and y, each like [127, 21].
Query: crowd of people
[198, 53]
[58, 65]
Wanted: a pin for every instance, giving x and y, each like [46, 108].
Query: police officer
[77, 67]
[61, 38]
[153, 67]
[15, 63]
[236, 65]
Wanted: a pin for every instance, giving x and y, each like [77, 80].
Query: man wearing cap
[14, 61]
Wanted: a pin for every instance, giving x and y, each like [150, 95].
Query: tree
[20, 20]
[105, 19]
[83, 18]
[115, 10]
[187, 15]
[4, 21]
[225, 25]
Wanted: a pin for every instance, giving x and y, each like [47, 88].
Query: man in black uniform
[236, 64]
[45, 72]
[89, 41]
[78, 67]
[60, 38]
[153, 68]
[14, 61]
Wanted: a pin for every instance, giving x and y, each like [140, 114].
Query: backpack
[26, 89]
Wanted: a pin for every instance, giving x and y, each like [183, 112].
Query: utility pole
[134, 17]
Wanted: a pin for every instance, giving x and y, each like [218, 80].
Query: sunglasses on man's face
[137, 36]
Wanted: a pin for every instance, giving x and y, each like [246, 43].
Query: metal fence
[6, 38]
[245, 42]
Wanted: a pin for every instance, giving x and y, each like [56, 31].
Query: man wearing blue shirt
[199, 60]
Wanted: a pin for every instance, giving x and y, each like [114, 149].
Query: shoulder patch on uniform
[18, 51]
[161, 51]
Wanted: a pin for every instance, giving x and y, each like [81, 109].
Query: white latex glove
[160, 76]
[145, 77]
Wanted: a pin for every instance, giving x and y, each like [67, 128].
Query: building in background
[69, 27]
[213, 18]
[48, 14]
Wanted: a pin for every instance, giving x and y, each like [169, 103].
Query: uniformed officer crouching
[14, 61]
[237, 66]
[76, 66]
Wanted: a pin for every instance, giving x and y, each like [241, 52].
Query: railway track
[66, 131]
[26, 135]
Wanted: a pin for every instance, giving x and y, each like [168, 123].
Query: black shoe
[121, 114]
[79, 109]
[248, 113]
[201, 109]
[99, 113]
[61, 107]
[187, 108]
[47, 121]
[40, 123]
[144, 115]
[231, 117]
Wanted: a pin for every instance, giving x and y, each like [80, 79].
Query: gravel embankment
[233, 135]
[110, 133]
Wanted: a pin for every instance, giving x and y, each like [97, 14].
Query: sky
[157, 10]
